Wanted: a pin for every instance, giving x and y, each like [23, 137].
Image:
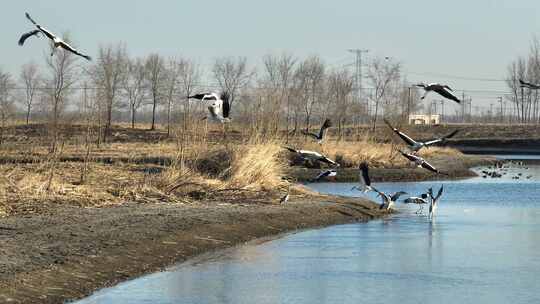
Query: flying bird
[417, 145]
[57, 41]
[532, 86]
[324, 174]
[443, 90]
[434, 201]
[419, 200]
[220, 107]
[388, 201]
[420, 162]
[320, 136]
[363, 176]
[314, 156]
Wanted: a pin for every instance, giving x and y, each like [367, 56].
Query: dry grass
[257, 167]
[196, 169]
[351, 154]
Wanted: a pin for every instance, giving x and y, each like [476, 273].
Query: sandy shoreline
[51, 258]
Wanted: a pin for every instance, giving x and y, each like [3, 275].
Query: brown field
[138, 165]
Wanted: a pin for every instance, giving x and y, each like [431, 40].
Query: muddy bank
[50, 258]
[457, 167]
[497, 145]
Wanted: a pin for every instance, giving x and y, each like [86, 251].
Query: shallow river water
[482, 247]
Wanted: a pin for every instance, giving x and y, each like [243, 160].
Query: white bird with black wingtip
[313, 156]
[414, 145]
[441, 89]
[320, 136]
[388, 201]
[57, 41]
[421, 162]
[331, 173]
[219, 108]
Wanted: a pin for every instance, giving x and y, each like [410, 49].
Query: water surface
[482, 247]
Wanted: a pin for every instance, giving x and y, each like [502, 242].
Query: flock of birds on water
[219, 109]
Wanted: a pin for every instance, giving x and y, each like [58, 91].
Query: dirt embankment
[50, 258]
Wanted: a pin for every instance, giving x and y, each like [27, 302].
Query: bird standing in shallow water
[419, 200]
[285, 198]
[434, 201]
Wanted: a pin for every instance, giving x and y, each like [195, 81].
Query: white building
[421, 119]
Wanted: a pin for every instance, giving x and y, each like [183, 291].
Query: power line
[457, 77]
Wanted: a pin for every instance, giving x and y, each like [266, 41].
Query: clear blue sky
[468, 38]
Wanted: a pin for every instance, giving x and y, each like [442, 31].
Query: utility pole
[358, 74]
[502, 110]
[442, 110]
[409, 106]
[463, 107]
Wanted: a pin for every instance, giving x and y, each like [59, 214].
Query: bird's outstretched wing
[30, 18]
[529, 85]
[364, 176]
[74, 51]
[321, 175]
[431, 168]
[327, 124]
[226, 108]
[409, 156]
[201, 96]
[447, 94]
[442, 139]
[439, 193]
[396, 195]
[27, 35]
[327, 160]
[405, 137]
[291, 149]
[310, 134]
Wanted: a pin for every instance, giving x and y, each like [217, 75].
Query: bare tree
[62, 75]
[310, 80]
[232, 75]
[279, 71]
[6, 101]
[108, 74]
[172, 72]
[340, 88]
[155, 72]
[382, 74]
[189, 76]
[133, 87]
[31, 79]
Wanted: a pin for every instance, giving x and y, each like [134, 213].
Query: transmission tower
[358, 70]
